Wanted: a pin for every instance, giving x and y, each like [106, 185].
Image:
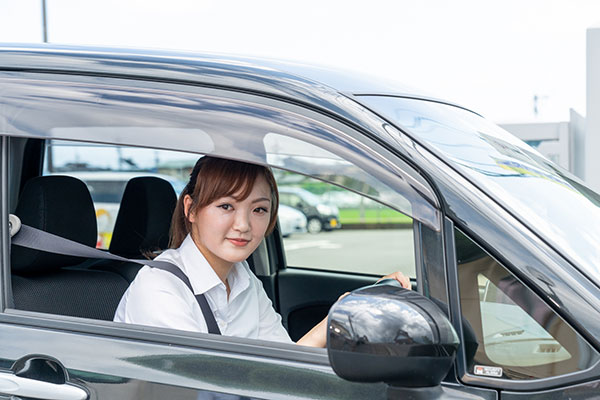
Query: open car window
[341, 230]
[159, 134]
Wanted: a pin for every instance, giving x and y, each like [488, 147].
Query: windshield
[554, 203]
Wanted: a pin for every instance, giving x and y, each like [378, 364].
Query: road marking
[321, 244]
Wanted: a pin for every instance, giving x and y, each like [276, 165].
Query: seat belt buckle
[14, 224]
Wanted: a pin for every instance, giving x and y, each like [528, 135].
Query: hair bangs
[236, 180]
[224, 178]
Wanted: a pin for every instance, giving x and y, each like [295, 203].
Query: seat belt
[36, 239]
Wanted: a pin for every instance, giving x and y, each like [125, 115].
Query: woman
[222, 215]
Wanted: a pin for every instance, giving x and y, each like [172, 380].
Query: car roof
[313, 84]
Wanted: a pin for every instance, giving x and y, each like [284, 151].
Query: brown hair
[213, 178]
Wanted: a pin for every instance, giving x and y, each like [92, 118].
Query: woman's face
[227, 230]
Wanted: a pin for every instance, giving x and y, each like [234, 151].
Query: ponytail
[179, 223]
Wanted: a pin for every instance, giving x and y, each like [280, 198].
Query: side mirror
[385, 333]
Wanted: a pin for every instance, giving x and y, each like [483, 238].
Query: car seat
[51, 283]
[142, 224]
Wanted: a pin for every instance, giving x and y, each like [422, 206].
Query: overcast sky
[491, 56]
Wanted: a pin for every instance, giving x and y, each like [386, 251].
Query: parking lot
[370, 251]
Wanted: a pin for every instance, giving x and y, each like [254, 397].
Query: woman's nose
[241, 222]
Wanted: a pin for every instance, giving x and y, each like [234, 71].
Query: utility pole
[44, 22]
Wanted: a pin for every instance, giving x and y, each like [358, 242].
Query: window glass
[82, 121]
[106, 169]
[508, 327]
[511, 336]
[339, 230]
[309, 159]
[511, 172]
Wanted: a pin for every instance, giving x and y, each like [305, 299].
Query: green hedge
[376, 216]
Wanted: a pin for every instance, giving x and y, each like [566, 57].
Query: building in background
[573, 144]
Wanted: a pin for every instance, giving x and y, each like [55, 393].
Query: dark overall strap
[209, 317]
[37, 239]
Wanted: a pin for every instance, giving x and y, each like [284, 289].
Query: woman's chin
[236, 258]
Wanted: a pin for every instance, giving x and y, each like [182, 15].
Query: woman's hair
[213, 178]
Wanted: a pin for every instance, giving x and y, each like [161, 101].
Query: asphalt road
[372, 251]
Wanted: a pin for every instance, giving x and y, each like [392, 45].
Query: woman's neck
[222, 272]
[220, 266]
[221, 269]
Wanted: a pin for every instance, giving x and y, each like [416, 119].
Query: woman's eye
[225, 207]
[261, 210]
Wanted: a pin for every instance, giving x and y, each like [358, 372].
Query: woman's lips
[238, 242]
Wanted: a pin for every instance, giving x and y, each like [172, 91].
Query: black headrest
[61, 205]
[144, 217]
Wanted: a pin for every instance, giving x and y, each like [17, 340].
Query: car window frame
[353, 133]
[384, 152]
[316, 357]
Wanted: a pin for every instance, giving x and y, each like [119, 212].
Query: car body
[320, 215]
[290, 220]
[504, 242]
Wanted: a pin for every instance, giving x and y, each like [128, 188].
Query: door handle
[24, 387]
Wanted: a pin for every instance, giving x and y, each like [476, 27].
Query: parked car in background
[320, 215]
[291, 220]
[505, 244]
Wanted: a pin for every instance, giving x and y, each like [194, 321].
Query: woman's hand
[400, 277]
[317, 336]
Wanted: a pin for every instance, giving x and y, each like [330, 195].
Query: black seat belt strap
[37, 239]
[209, 317]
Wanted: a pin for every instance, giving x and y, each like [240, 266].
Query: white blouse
[159, 298]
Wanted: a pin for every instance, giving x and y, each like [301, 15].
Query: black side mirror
[385, 333]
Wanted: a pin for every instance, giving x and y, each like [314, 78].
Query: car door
[108, 360]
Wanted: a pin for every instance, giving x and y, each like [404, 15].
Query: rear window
[106, 191]
[106, 170]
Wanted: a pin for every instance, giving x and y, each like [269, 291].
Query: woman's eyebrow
[261, 199]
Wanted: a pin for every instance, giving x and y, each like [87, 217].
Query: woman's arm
[317, 336]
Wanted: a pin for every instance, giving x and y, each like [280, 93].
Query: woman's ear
[187, 205]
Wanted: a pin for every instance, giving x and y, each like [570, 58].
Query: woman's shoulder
[149, 278]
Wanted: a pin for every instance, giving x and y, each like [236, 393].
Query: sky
[490, 56]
